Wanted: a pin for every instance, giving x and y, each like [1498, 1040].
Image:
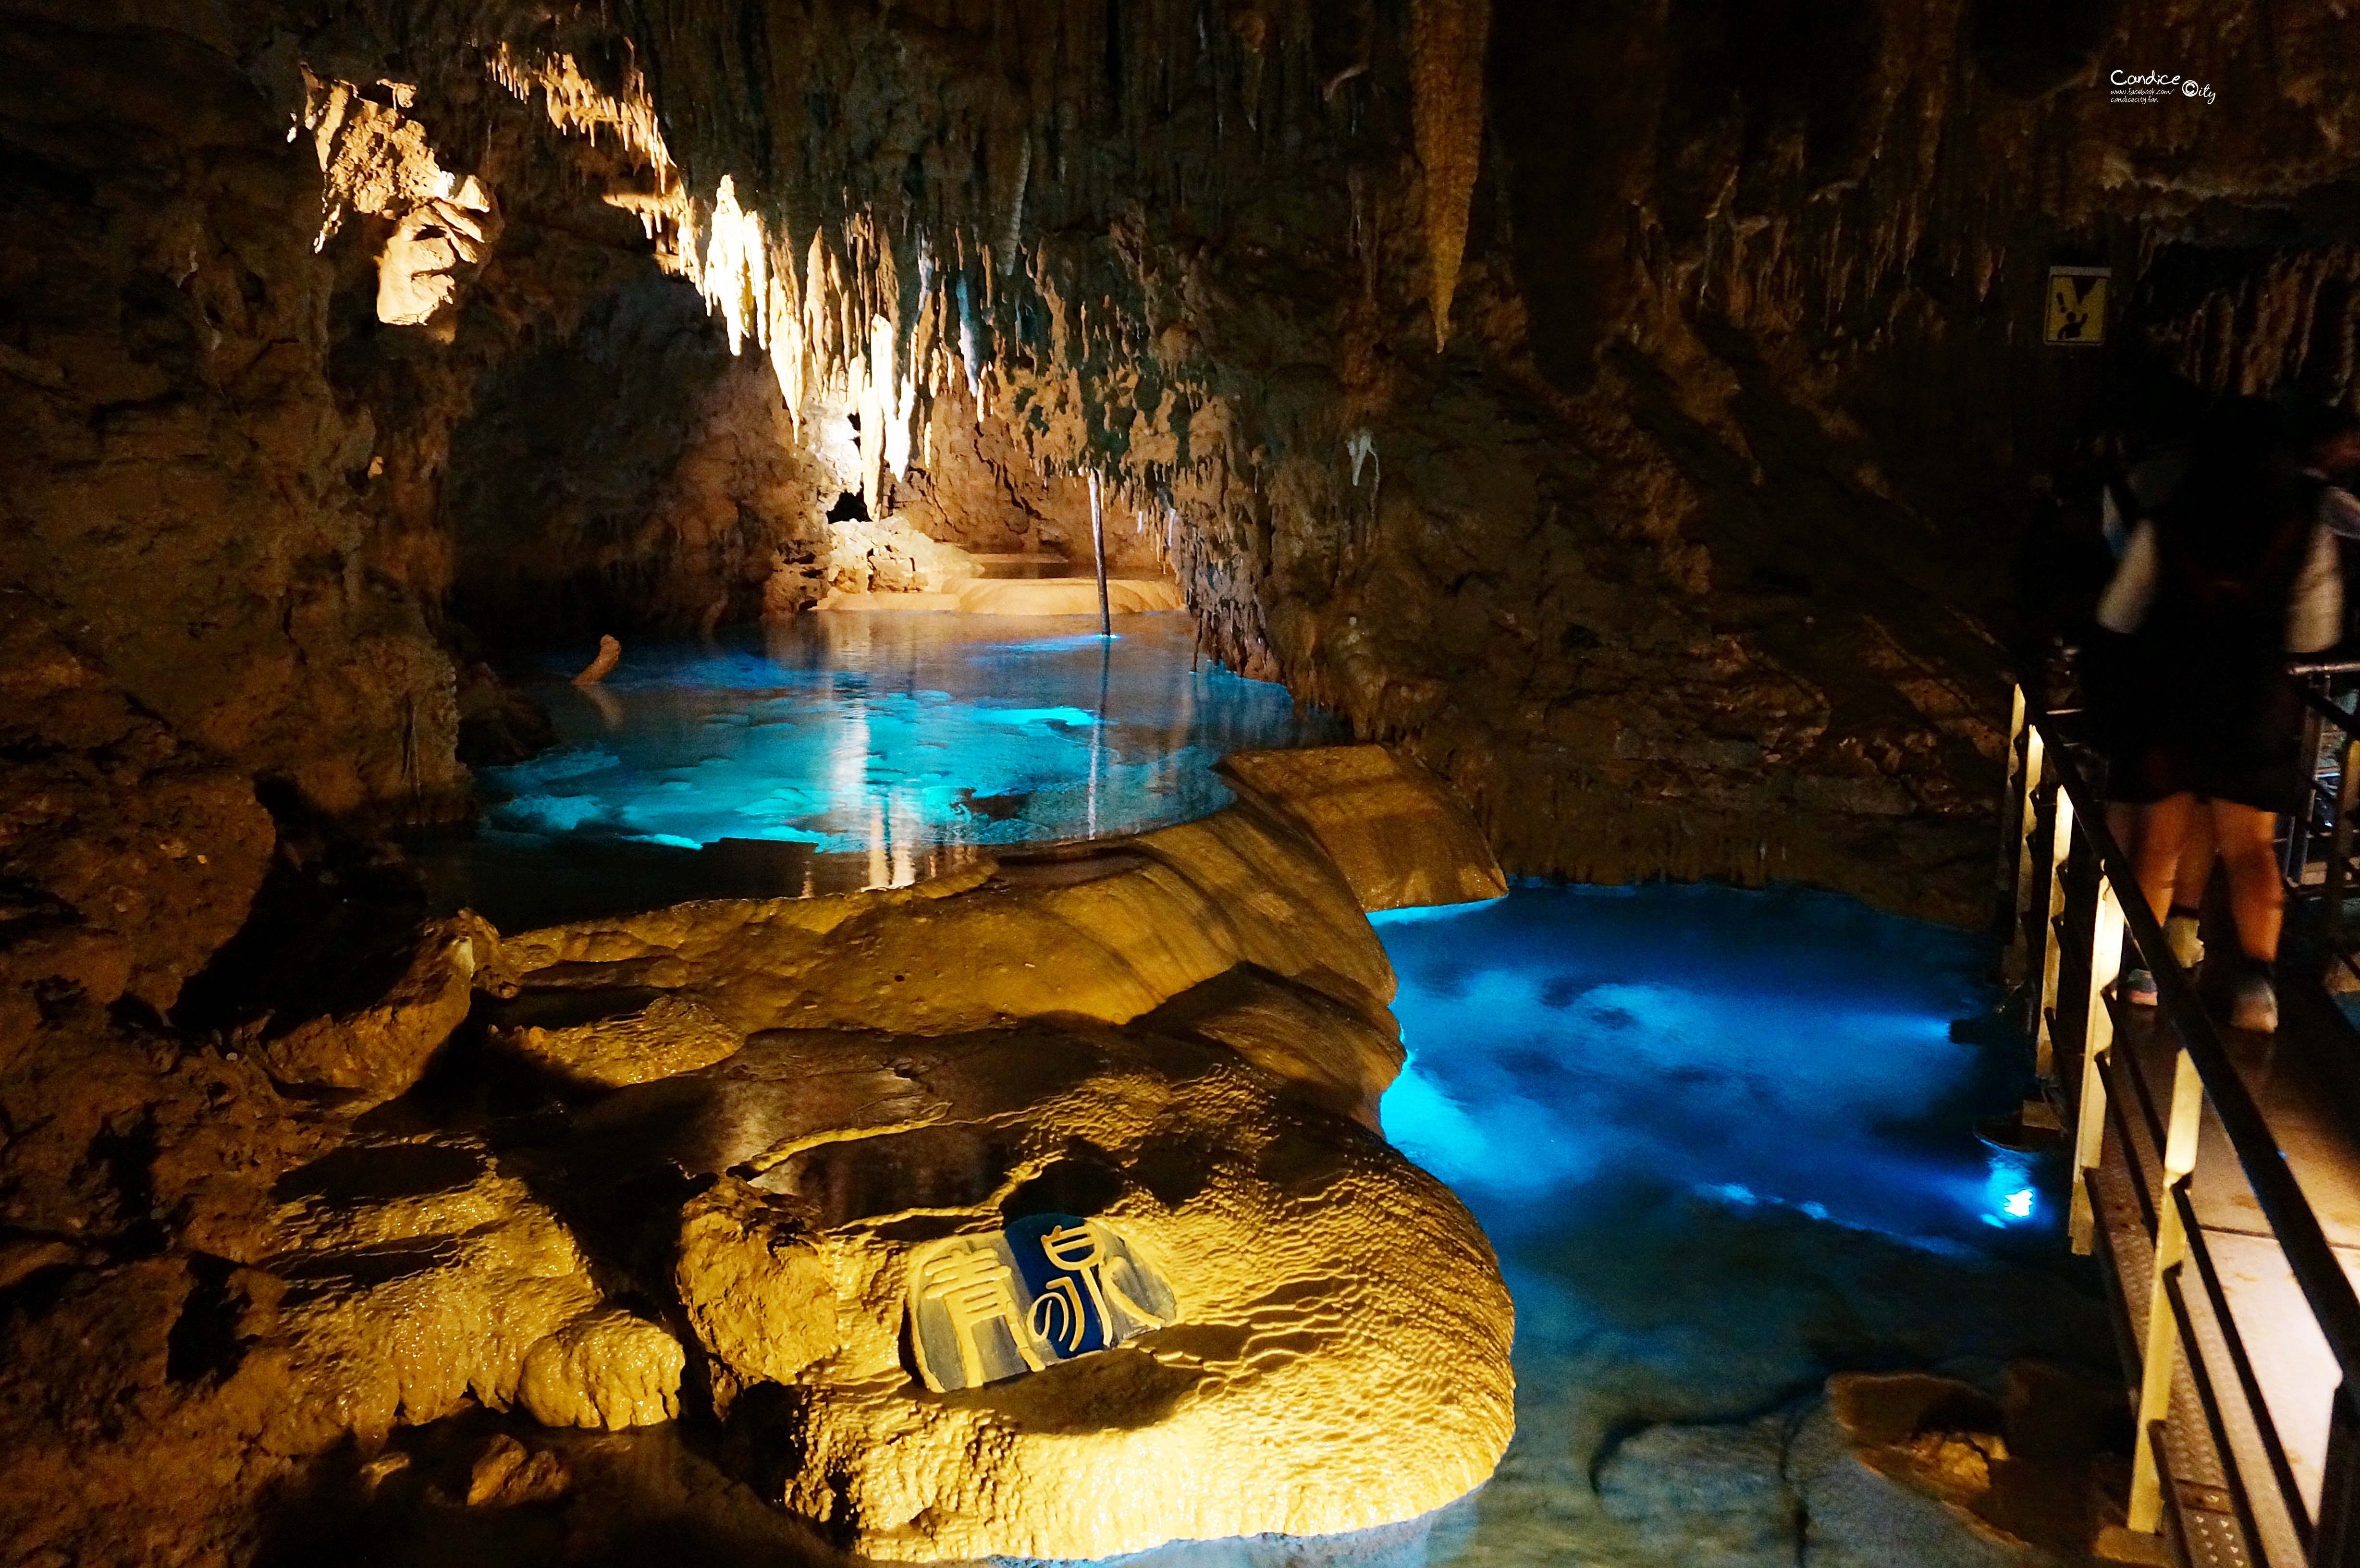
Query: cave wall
[182, 480]
[1689, 551]
[338, 340]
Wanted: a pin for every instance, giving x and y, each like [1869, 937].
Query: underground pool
[837, 752]
[1723, 1141]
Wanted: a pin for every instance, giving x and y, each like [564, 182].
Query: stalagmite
[610, 653]
[1446, 44]
[1097, 548]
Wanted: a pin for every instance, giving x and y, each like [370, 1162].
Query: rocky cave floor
[1638, 418]
[331, 1263]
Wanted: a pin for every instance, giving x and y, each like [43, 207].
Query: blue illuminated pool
[1723, 1142]
[835, 751]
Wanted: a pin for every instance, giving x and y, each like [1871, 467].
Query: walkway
[2293, 1371]
[2244, 1449]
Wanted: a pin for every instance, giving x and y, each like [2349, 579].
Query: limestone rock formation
[1399, 836]
[1339, 1358]
[1446, 58]
[930, 1062]
[1339, 1056]
[2013, 1462]
[128, 855]
[630, 1038]
[185, 488]
[606, 1369]
[1107, 934]
[419, 1275]
[378, 1049]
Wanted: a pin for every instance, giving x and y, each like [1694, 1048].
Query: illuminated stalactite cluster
[986, 288]
[1448, 39]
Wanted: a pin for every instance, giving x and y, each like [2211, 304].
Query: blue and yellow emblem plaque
[1046, 1289]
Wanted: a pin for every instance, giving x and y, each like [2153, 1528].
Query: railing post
[2011, 819]
[2335, 1538]
[2027, 819]
[2339, 863]
[2297, 858]
[2052, 935]
[2097, 1039]
[2157, 1358]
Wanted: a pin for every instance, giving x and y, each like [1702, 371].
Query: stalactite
[1011, 237]
[1447, 38]
[735, 278]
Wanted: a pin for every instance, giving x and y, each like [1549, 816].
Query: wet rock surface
[1399, 836]
[1338, 1358]
[1653, 467]
[679, 1166]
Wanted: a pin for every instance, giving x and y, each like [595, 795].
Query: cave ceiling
[1635, 413]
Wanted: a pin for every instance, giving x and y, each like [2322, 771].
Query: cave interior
[1603, 451]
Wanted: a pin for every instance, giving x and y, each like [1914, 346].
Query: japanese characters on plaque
[1046, 1289]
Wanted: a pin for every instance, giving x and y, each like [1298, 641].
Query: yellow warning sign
[2076, 315]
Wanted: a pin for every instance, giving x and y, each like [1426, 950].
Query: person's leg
[2163, 829]
[2257, 898]
[2122, 825]
[2187, 885]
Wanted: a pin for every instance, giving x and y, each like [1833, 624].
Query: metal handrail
[2050, 798]
[2340, 807]
[2281, 1199]
[2348, 722]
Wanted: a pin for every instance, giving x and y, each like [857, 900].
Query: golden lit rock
[506, 1474]
[666, 1034]
[1108, 934]
[1340, 1053]
[1337, 1355]
[377, 1050]
[607, 1370]
[1319, 1339]
[1401, 838]
[420, 1276]
[756, 1289]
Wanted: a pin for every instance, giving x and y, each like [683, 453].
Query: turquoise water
[1722, 1142]
[1721, 1138]
[1787, 1048]
[837, 752]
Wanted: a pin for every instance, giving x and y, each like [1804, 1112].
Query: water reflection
[835, 752]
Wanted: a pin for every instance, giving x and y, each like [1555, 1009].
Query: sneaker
[2183, 930]
[2256, 1005]
[2137, 987]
